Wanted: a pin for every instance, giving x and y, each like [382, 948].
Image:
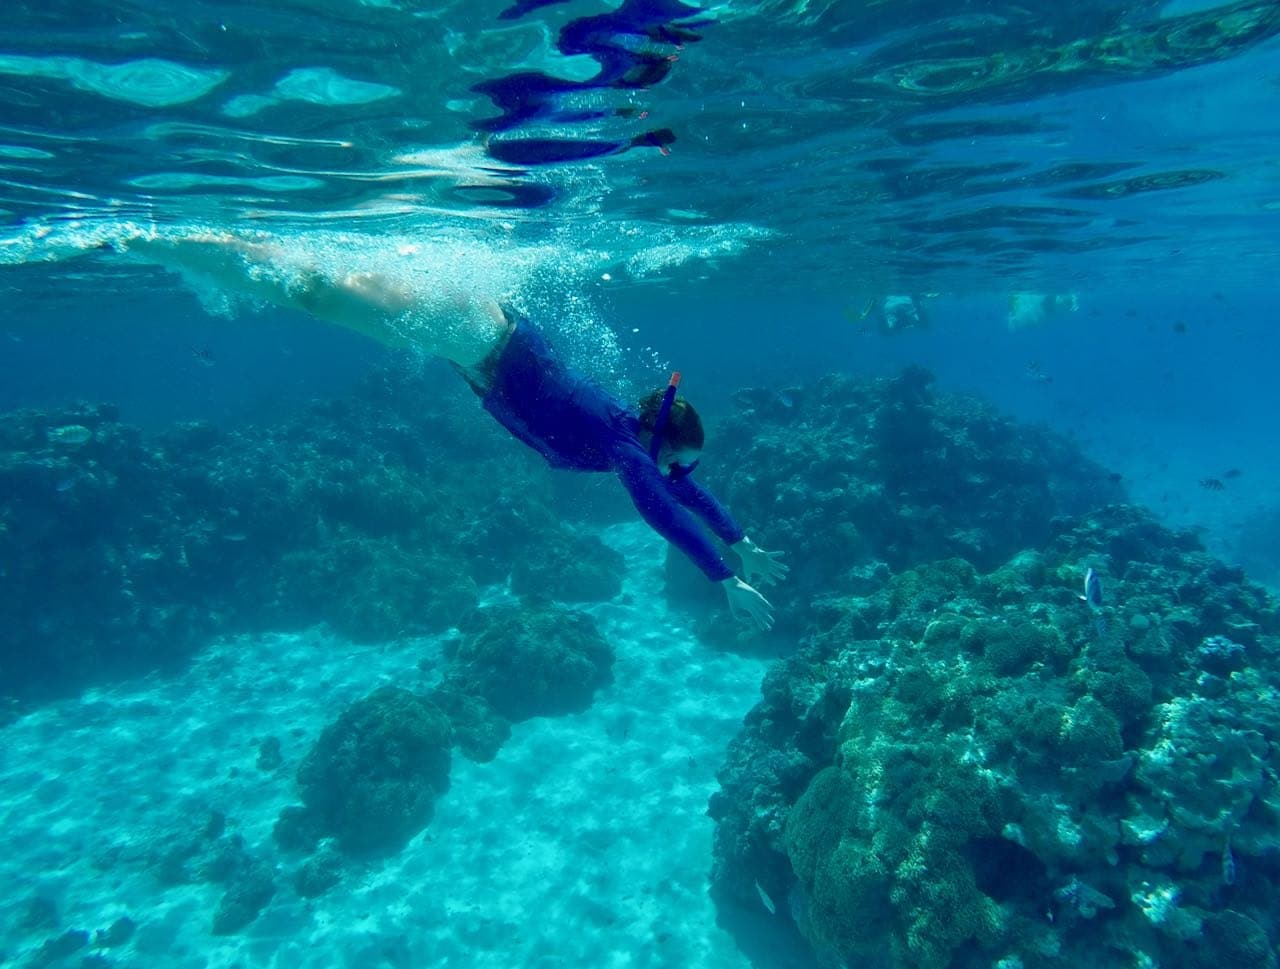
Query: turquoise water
[949, 283]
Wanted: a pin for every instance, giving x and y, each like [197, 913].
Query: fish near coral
[1093, 599]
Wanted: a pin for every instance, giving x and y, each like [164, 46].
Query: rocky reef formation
[531, 661]
[964, 769]
[380, 515]
[859, 478]
[372, 778]
[962, 765]
[513, 663]
[196, 846]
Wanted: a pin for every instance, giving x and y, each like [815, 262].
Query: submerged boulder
[999, 775]
[848, 473]
[372, 778]
[534, 661]
[385, 591]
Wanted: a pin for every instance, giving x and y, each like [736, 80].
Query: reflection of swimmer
[652, 448]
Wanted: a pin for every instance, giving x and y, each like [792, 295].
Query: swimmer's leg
[451, 325]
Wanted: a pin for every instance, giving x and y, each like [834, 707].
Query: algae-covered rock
[373, 776]
[569, 567]
[319, 873]
[536, 661]
[999, 774]
[373, 590]
[478, 731]
[853, 471]
[244, 899]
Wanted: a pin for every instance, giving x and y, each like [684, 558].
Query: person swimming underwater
[573, 423]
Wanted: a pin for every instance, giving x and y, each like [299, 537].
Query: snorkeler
[896, 313]
[566, 418]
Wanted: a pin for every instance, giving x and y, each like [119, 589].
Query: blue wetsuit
[576, 425]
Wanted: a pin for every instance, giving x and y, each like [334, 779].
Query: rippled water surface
[955, 144]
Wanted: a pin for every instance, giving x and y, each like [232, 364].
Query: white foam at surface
[584, 843]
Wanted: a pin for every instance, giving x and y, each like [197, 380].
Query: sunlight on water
[911, 139]
[149, 82]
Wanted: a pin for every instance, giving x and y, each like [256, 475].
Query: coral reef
[386, 590]
[319, 873]
[962, 766]
[478, 731]
[372, 778]
[964, 770]
[534, 660]
[245, 898]
[378, 514]
[847, 474]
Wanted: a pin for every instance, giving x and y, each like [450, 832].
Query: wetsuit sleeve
[664, 514]
[703, 503]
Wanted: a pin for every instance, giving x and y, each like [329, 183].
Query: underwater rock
[478, 731]
[372, 778]
[297, 829]
[59, 948]
[388, 591]
[531, 661]
[377, 513]
[569, 568]
[319, 873]
[946, 761]
[244, 900]
[1232, 940]
[117, 933]
[192, 847]
[39, 913]
[862, 471]
[1081, 899]
[269, 759]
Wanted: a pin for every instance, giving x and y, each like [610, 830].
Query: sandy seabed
[584, 843]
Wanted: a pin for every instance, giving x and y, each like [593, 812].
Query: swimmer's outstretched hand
[759, 566]
[746, 603]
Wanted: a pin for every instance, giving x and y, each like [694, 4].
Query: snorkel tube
[664, 414]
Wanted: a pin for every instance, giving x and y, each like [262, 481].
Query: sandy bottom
[585, 843]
